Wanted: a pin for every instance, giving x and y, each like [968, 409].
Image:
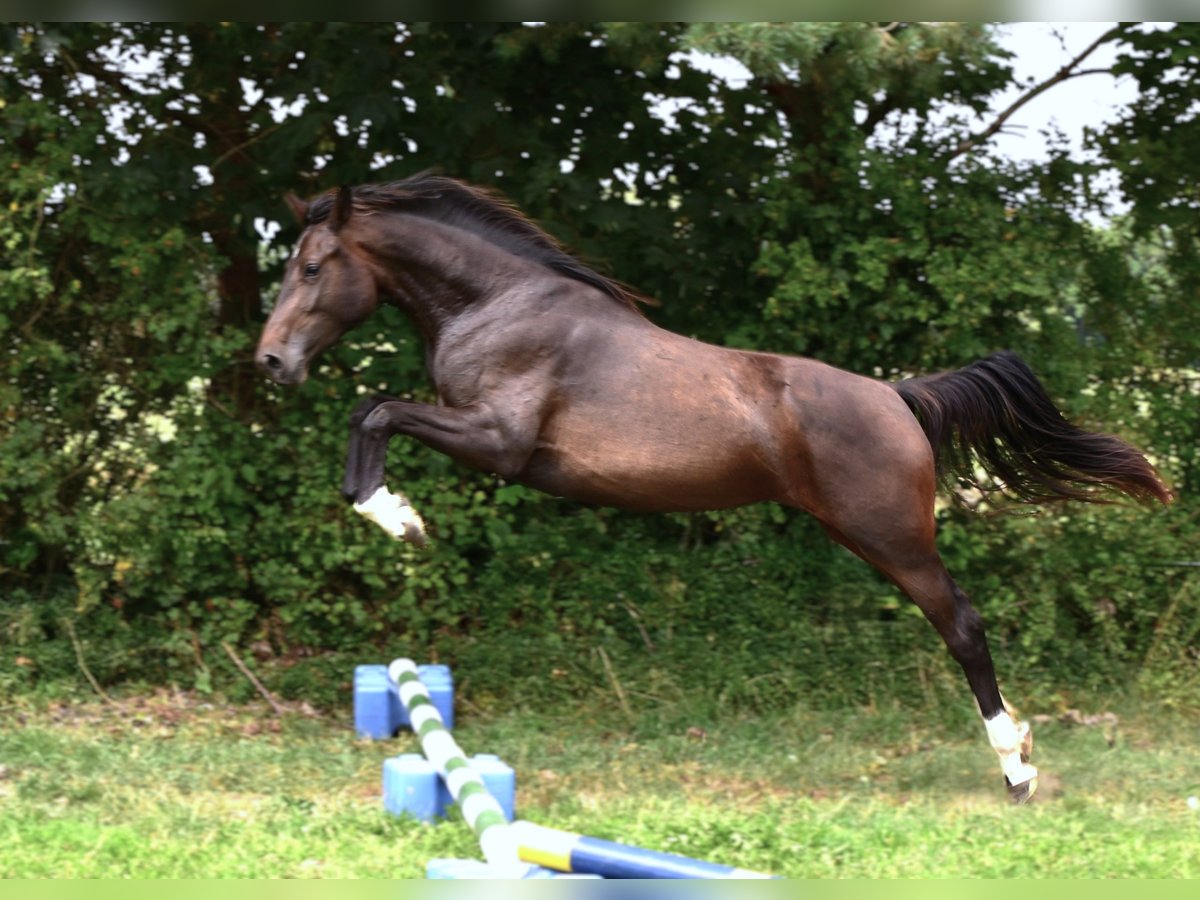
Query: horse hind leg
[915, 567]
[870, 479]
[961, 627]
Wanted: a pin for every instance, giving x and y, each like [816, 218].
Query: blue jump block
[411, 786]
[454, 869]
[378, 713]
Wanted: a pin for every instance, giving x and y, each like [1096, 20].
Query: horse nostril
[272, 362]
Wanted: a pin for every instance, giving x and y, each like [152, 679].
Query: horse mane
[479, 211]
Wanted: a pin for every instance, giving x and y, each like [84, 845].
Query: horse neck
[434, 272]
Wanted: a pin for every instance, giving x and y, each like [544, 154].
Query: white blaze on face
[1006, 738]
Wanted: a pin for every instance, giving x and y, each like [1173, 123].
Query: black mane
[478, 211]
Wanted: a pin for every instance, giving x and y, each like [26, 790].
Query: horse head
[327, 289]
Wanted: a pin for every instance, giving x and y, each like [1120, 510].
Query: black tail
[996, 411]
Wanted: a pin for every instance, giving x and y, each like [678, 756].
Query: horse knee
[364, 408]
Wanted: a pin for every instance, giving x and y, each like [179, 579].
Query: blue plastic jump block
[453, 869]
[411, 786]
[378, 713]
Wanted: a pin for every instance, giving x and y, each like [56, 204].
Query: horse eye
[311, 270]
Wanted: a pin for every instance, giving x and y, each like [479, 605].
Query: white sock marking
[1005, 739]
[392, 513]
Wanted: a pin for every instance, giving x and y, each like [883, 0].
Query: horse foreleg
[354, 462]
[392, 512]
[473, 435]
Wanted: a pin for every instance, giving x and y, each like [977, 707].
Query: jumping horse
[547, 374]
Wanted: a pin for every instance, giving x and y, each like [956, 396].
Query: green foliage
[884, 254]
[1148, 143]
[878, 67]
[158, 498]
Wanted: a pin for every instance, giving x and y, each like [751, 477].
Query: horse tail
[997, 414]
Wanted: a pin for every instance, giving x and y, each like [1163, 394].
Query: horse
[548, 374]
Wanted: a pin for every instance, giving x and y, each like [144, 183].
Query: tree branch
[257, 136]
[116, 80]
[83, 667]
[279, 710]
[1067, 72]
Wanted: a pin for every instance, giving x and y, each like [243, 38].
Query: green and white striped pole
[481, 810]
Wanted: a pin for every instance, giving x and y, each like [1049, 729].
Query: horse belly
[653, 463]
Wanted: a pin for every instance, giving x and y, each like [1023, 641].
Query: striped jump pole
[484, 815]
[568, 852]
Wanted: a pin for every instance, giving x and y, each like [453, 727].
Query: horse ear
[343, 206]
[298, 207]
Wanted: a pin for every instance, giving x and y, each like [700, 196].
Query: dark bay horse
[548, 375]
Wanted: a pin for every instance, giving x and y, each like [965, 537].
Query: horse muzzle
[282, 370]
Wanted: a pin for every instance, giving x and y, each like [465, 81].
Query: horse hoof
[1021, 793]
[414, 533]
[395, 515]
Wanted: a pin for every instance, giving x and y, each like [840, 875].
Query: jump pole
[483, 813]
[517, 850]
[565, 851]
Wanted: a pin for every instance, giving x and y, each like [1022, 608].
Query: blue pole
[568, 852]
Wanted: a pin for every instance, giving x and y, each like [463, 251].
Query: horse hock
[395, 515]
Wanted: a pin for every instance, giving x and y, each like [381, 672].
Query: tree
[890, 248]
[146, 159]
[156, 488]
[1149, 325]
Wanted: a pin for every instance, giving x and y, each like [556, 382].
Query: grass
[171, 785]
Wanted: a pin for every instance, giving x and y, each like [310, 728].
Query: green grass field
[170, 785]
